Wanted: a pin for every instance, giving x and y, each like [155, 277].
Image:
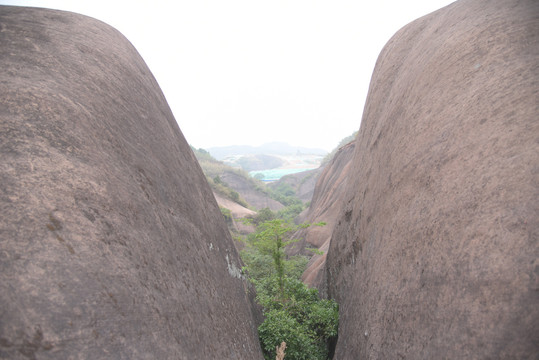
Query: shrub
[291, 212]
[293, 312]
[227, 215]
[280, 325]
[263, 215]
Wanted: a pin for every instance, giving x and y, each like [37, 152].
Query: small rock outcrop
[435, 253]
[112, 245]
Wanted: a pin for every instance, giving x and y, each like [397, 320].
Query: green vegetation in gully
[286, 195]
[293, 312]
[214, 169]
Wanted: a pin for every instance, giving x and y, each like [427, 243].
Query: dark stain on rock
[348, 215]
[55, 225]
[88, 215]
[30, 347]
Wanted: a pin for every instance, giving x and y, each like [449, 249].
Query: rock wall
[329, 194]
[111, 243]
[435, 253]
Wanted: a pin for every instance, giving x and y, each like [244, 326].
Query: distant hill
[235, 184]
[274, 148]
[257, 162]
[301, 183]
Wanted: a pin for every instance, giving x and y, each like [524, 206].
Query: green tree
[263, 215]
[270, 240]
[234, 195]
[293, 312]
[290, 212]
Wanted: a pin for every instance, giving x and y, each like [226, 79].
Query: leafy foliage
[284, 189]
[227, 214]
[285, 194]
[264, 215]
[290, 212]
[294, 313]
[280, 325]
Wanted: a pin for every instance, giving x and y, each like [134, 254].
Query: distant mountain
[274, 148]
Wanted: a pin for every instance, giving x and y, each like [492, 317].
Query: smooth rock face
[326, 204]
[435, 255]
[111, 245]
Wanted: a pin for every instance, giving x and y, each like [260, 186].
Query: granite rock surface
[112, 245]
[328, 197]
[435, 253]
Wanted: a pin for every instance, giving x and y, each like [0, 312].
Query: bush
[264, 215]
[304, 321]
[279, 325]
[227, 215]
[291, 212]
[293, 312]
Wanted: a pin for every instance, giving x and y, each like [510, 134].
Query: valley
[414, 239]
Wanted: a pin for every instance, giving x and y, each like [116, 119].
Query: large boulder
[435, 254]
[111, 245]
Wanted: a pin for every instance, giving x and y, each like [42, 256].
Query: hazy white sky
[254, 71]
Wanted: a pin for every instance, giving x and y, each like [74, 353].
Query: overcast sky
[247, 72]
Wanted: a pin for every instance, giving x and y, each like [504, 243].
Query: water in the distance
[275, 174]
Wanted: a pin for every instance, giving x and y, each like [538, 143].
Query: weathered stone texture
[329, 195]
[435, 254]
[111, 243]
